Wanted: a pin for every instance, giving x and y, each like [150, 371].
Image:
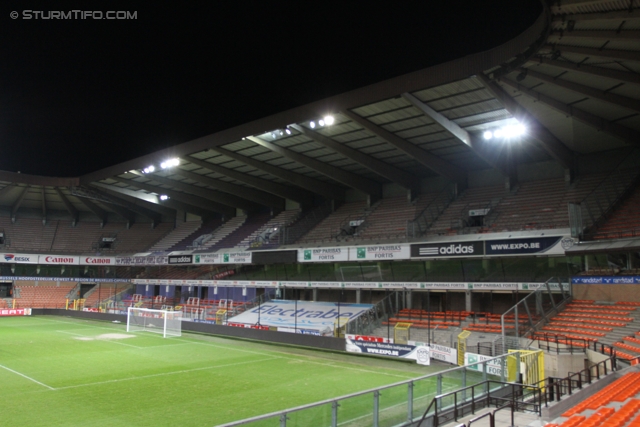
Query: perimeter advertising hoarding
[419, 353]
[207, 259]
[15, 312]
[528, 246]
[97, 260]
[317, 316]
[59, 259]
[236, 257]
[19, 258]
[494, 367]
[180, 259]
[323, 254]
[447, 250]
[142, 260]
[606, 280]
[379, 253]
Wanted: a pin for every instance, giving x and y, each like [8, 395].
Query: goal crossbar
[165, 322]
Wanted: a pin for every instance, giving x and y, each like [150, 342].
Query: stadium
[459, 245]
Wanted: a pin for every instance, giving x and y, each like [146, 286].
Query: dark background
[79, 95]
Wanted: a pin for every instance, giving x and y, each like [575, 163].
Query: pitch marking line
[304, 359]
[101, 340]
[164, 374]
[29, 378]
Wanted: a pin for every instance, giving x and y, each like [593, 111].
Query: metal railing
[396, 404]
[585, 217]
[534, 311]
[425, 219]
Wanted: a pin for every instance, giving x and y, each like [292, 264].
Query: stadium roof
[572, 79]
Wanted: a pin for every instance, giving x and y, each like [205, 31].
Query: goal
[165, 322]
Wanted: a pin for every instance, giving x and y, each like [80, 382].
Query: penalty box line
[27, 377]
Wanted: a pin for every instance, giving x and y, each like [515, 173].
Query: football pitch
[60, 371]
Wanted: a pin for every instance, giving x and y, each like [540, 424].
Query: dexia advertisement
[306, 315]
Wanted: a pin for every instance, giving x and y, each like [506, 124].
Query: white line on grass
[304, 358]
[29, 378]
[165, 373]
[102, 340]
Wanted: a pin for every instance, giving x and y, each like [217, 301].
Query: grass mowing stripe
[29, 378]
[184, 371]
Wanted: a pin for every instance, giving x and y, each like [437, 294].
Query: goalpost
[165, 322]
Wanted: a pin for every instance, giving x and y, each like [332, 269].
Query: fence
[396, 404]
[534, 311]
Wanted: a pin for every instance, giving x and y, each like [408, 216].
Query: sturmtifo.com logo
[75, 14]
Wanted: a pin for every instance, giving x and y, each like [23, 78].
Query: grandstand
[409, 203]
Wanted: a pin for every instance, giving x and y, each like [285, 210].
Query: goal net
[165, 322]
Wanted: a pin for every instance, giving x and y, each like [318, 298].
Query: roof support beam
[549, 141]
[323, 188]
[614, 129]
[589, 69]
[598, 34]
[435, 163]
[97, 210]
[478, 147]
[621, 14]
[291, 193]
[130, 208]
[203, 205]
[214, 196]
[17, 203]
[151, 211]
[379, 167]
[125, 213]
[44, 206]
[349, 179]
[70, 208]
[622, 55]
[630, 103]
[247, 193]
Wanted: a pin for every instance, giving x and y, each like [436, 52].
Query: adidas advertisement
[379, 253]
[180, 259]
[447, 250]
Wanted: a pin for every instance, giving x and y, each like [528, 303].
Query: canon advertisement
[447, 250]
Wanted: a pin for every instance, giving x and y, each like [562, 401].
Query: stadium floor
[58, 371]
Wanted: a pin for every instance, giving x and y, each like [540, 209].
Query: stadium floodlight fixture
[312, 124]
[281, 133]
[507, 132]
[329, 120]
[149, 169]
[487, 135]
[164, 197]
[170, 163]
[321, 122]
[288, 131]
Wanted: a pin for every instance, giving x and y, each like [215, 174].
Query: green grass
[57, 371]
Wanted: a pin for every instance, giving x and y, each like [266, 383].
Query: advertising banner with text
[236, 257]
[323, 254]
[378, 253]
[97, 260]
[19, 258]
[59, 259]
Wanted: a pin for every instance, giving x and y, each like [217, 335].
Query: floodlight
[288, 131]
[487, 135]
[163, 197]
[498, 133]
[312, 124]
[321, 122]
[273, 135]
[281, 133]
[149, 169]
[329, 120]
[170, 163]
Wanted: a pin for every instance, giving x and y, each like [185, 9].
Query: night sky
[79, 95]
